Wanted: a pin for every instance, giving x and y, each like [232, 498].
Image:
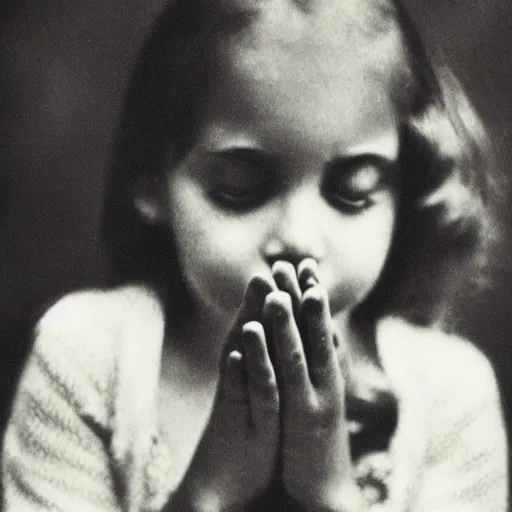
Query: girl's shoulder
[412, 348]
[98, 317]
[450, 416]
[100, 306]
[443, 370]
[88, 333]
[88, 389]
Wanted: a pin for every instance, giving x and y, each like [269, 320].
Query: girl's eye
[237, 184]
[352, 187]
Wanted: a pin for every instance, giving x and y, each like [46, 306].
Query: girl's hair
[445, 219]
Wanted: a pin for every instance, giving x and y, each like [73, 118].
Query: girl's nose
[296, 230]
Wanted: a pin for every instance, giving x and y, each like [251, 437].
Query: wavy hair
[445, 220]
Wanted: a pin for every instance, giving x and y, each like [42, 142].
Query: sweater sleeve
[55, 451]
[466, 465]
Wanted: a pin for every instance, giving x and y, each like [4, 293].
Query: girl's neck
[198, 338]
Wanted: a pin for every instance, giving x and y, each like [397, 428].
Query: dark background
[63, 68]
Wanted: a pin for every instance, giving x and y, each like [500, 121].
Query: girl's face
[295, 157]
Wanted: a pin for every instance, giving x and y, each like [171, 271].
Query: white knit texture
[449, 452]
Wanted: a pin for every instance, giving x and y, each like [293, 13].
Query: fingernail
[247, 335]
[260, 285]
[308, 263]
[307, 274]
[310, 282]
[235, 355]
[312, 303]
[250, 331]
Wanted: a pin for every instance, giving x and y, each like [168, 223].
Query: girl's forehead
[313, 72]
[335, 33]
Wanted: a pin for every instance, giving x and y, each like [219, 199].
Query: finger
[231, 410]
[254, 298]
[233, 378]
[307, 272]
[250, 309]
[323, 364]
[261, 379]
[285, 276]
[292, 373]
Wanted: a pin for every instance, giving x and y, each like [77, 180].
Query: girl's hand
[236, 457]
[316, 464]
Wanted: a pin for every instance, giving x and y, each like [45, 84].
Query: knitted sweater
[84, 432]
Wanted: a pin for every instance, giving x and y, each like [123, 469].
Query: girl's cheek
[219, 262]
[351, 287]
[357, 264]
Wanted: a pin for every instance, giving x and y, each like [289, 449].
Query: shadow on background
[64, 66]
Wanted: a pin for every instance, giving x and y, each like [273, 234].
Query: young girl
[295, 193]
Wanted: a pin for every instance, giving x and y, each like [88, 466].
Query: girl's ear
[148, 200]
